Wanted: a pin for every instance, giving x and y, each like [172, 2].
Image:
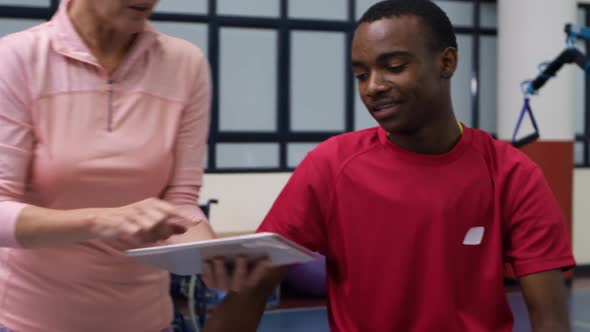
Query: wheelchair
[199, 297]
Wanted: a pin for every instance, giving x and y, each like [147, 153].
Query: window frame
[284, 25]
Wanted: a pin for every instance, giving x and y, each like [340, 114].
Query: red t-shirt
[417, 242]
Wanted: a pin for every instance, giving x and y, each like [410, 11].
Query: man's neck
[437, 138]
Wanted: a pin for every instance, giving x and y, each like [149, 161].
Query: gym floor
[315, 319]
[297, 314]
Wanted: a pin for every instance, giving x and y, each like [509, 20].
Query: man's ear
[448, 58]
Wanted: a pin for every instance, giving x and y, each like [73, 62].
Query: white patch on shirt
[474, 236]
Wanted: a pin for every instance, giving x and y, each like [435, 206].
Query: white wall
[529, 34]
[581, 215]
[244, 200]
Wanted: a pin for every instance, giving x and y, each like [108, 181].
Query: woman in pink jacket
[103, 128]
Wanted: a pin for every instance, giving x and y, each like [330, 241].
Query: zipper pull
[110, 106]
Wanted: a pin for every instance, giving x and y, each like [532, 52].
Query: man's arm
[242, 311]
[537, 244]
[299, 214]
[546, 298]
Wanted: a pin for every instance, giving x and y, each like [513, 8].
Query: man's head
[404, 53]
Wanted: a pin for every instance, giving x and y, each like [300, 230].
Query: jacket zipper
[110, 106]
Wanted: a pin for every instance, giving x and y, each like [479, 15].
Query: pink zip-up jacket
[71, 137]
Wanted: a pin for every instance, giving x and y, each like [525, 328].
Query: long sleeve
[191, 144]
[16, 141]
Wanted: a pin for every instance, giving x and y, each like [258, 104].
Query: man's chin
[398, 128]
[392, 126]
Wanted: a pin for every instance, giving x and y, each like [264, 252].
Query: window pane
[248, 73]
[194, 32]
[29, 3]
[488, 15]
[183, 6]
[362, 118]
[310, 9]
[11, 25]
[461, 81]
[580, 93]
[297, 151]
[247, 155]
[249, 7]
[487, 83]
[459, 12]
[317, 81]
[579, 153]
[362, 6]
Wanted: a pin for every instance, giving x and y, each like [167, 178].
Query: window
[260, 8]
[183, 6]
[317, 87]
[272, 103]
[11, 25]
[247, 76]
[309, 9]
[26, 3]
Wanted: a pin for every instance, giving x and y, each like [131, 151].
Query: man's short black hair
[442, 34]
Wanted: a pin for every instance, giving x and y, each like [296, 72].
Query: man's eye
[396, 69]
[361, 76]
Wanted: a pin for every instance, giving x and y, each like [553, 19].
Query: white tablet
[187, 258]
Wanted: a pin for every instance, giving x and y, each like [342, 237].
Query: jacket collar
[67, 41]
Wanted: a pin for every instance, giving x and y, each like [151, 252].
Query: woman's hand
[148, 221]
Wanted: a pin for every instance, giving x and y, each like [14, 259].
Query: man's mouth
[385, 106]
[386, 110]
[140, 8]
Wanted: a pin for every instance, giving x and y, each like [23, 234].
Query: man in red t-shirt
[417, 216]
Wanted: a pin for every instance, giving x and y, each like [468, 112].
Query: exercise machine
[570, 55]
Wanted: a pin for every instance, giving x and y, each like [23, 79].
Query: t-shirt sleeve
[537, 237]
[300, 211]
